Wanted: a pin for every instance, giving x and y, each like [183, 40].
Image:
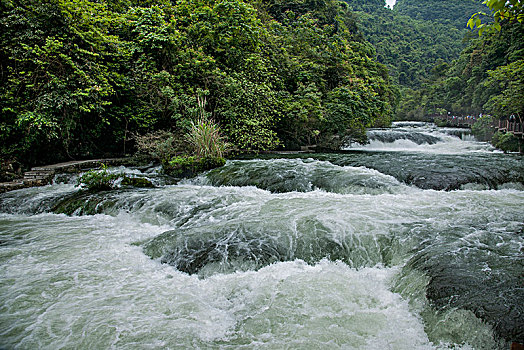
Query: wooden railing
[512, 126]
[458, 121]
[515, 126]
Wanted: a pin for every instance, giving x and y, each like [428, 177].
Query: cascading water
[368, 249]
[423, 137]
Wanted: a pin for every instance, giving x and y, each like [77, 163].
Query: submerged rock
[189, 166]
[483, 278]
[139, 182]
[84, 203]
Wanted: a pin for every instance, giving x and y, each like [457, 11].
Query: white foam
[448, 144]
[77, 282]
[80, 282]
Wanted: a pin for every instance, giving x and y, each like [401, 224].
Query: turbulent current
[414, 241]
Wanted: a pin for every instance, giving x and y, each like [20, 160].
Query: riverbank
[43, 175]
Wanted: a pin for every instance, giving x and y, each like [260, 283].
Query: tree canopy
[486, 78]
[416, 35]
[83, 78]
[465, 75]
[79, 78]
[454, 13]
[501, 10]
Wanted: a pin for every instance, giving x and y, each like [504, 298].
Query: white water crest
[303, 175]
[335, 251]
[422, 137]
[90, 288]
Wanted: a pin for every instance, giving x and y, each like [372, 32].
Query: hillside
[411, 42]
[448, 12]
[487, 78]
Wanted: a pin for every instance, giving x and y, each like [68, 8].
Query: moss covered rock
[190, 166]
[139, 182]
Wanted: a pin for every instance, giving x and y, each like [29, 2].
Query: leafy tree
[501, 10]
[510, 81]
[58, 78]
[453, 13]
[507, 142]
[78, 78]
[249, 111]
[483, 128]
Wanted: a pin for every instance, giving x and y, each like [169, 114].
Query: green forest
[411, 46]
[83, 78]
[487, 77]
[80, 78]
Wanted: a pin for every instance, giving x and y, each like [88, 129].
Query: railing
[504, 125]
[513, 127]
[459, 121]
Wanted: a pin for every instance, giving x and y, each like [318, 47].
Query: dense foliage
[448, 12]
[79, 78]
[86, 78]
[487, 77]
[501, 10]
[482, 129]
[416, 35]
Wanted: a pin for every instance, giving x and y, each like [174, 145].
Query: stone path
[42, 175]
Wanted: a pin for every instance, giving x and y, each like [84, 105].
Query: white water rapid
[419, 248]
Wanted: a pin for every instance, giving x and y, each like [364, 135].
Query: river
[414, 241]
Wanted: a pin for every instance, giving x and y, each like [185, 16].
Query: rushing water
[414, 241]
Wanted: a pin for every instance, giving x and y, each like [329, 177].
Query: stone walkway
[43, 175]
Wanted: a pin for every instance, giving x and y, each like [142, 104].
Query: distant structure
[512, 125]
[454, 121]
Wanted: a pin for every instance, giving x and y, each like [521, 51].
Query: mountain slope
[409, 47]
[449, 12]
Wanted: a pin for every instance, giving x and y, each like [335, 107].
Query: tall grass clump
[183, 154]
[205, 139]
[207, 148]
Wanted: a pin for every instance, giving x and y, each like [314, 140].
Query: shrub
[441, 122]
[180, 166]
[98, 180]
[506, 142]
[161, 145]
[10, 170]
[482, 129]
